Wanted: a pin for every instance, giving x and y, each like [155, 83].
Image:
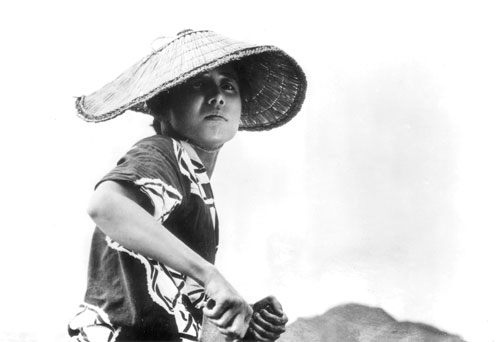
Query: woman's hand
[268, 321]
[226, 309]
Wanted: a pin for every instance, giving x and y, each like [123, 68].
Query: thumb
[274, 306]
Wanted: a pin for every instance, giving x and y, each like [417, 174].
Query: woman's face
[207, 109]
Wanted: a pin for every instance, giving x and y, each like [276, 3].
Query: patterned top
[132, 297]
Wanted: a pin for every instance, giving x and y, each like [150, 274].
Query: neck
[208, 157]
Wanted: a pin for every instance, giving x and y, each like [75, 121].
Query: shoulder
[156, 145]
[159, 142]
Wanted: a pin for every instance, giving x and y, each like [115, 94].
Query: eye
[197, 84]
[229, 85]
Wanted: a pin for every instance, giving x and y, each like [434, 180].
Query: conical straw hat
[276, 83]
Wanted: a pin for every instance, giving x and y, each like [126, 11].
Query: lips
[215, 117]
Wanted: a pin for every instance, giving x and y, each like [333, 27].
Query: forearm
[129, 224]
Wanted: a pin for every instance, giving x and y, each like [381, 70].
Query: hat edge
[295, 107]
[237, 55]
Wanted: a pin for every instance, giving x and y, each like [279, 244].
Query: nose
[216, 98]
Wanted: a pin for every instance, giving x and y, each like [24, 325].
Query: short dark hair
[157, 104]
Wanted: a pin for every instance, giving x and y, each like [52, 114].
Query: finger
[272, 318]
[225, 320]
[240, 324]
[228, 334]
[265, 333]
[236, 328]
[231, 334]
[262, 336]
[262, 303]
[214, 310]
[261, 324]
[259, 320]
[275, 305]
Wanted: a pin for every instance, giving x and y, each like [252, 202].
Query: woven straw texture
[277, 84]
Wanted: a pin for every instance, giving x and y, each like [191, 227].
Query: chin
[213, 145]
[214, 142]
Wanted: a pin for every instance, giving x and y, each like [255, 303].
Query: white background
[381, 191]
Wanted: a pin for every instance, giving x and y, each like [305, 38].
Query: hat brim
[276, 83]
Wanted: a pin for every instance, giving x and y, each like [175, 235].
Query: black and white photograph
[292, 171]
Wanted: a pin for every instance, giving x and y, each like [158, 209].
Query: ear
[165, 121]
[163, 126]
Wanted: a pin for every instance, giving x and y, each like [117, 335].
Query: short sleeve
[151, 166]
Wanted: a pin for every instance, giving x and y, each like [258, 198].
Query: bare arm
[115, 210]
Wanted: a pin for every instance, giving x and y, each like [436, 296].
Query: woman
[147, 283]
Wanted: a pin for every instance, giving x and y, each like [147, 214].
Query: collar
[191, 151]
